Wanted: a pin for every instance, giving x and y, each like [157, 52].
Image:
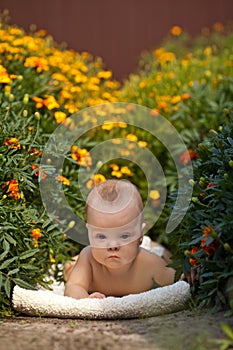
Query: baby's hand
[192, 277]
[97, 295]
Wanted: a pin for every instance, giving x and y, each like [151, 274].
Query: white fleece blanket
[155, 302]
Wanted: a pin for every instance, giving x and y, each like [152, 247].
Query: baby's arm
[162, 275]
[80, 278]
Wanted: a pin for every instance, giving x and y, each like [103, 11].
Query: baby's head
[114, 209]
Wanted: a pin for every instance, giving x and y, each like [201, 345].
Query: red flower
[210, 248]
[189, 155]
[193, 261]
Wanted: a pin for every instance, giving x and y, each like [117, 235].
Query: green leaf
[29, 253]
[6, 246]
[227, 330]
[12, 272]
[23, 284]
[10, 239]
[8, 262]
[7, 287]
[2, 256]
[29, 267]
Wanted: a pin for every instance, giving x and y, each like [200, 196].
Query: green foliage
[206, 234]
[42, 84]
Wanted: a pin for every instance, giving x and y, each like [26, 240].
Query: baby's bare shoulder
[146, 257]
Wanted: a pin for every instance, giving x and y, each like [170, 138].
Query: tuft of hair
[111, 190]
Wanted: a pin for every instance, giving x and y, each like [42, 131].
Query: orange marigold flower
[95, 180]
[38, 171]
[63, 179]
[4, 76]
[35, 151]
[13, 189]
[189, 155]
[12, 142]
[36, 234]
[185, 96]
[82, 156]
[39, 63]
[176, 30]
[59, 116]
[210, 185]
[211, 248]
[51, 103]
[193, 261]
[218, 27]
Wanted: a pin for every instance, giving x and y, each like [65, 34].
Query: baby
[114, 264]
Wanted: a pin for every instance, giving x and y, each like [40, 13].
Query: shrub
[205, 235]
[40, 86]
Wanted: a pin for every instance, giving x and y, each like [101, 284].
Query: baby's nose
[113, 248]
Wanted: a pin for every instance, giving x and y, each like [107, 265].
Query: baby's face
[115, 237]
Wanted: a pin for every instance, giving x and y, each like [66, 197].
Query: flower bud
[191, 182]
[71, 224]
[25, 113]
[37, 115]
[187, 253]
[11, 97]
[227, 247]
[20, 78]
[195, 200]
[25, 99]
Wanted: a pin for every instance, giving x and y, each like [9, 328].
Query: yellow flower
[142, 84]
[12, 142]
[158, 52]
[107, 126]
[39, 63]
[95, 180]
[125, 170]
[208, 51]
[59, 116]
[176, 30]
[51, 103]
[4, 76]
[82, 156]
[154, 194]
[104, 74]
[116, 141]
[142, 144]
[114, 167]
[166, 57]
[63, 179]
[36, 234]
[117, 174]
[131, 137]
[175, 99]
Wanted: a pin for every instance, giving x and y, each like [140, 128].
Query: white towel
[155, 302]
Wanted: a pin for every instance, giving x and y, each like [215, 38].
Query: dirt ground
[184, 330]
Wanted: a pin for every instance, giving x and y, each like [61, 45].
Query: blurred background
[116, 30]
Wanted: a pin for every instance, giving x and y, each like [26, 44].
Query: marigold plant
[205, 235]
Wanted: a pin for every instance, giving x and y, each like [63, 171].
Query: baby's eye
[100, 236]
[125, 235]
